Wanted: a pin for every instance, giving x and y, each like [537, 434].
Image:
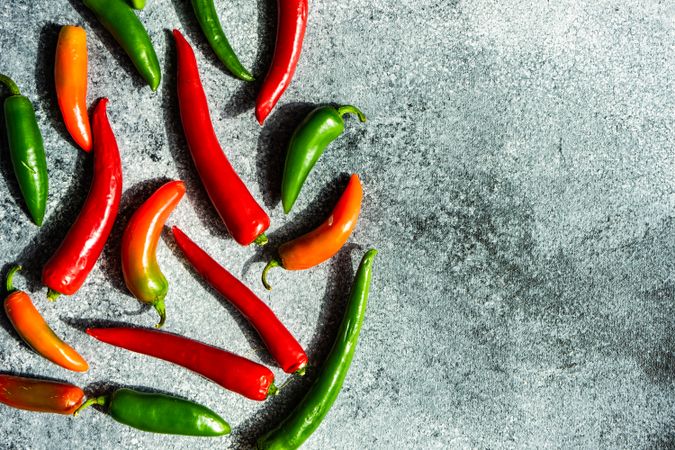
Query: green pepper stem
[272, 263]
[101, 401]
[10, 278]
[261, 240]
[160, 307]
[349, 109]
[272, 390]
[52, 295]
[11, 85]
[301, 371]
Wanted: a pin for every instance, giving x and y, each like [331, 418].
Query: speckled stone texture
[518, 175]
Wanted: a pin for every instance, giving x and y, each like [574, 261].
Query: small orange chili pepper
[33, 329]
[70, 75]
[325, 241]
[33, 394]
[139, 245]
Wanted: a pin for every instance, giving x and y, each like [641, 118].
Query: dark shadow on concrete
[272, 146]
[121, 58]
[195, 192]
[247, 330]
[244, 98]
[83, 323]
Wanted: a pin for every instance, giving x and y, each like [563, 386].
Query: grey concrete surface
[518, 175]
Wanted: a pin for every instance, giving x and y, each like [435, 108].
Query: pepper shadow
[302, 222]
[99, 388]
[111, 262]
[44, 79]
[332, 310]
[272, 146]
[4, 320]
[44, 244]
[244, 98]
[247, 329]
[173, 127]
[110, 43]
[82, 324]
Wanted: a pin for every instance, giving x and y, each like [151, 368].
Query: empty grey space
[518, 174]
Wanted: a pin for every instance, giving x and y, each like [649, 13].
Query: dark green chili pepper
[160, 413]
[307, 416]
[26, 150]
[321, 127]
[121, 21]
[207, 17]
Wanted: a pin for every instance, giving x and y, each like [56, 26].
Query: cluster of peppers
[66, 271]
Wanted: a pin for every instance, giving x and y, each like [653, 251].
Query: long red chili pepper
[231, 371]
[279, 341]
[244, 218]
[67, 269]
[290, 33]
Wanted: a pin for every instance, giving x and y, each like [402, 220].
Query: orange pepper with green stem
[33, 329]
[139, 247]
[70, 76]
[325, 241]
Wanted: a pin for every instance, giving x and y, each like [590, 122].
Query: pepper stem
[272, 263]
[52, 295]
[161, 310]
[261, 240]
[272, 390]
[10, 278]
[349, 109]
[11, 85]
[101, 401]
[301, 371]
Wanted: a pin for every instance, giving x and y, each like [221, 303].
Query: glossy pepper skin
[291, 26]
[294, 430]
[142, 274]
[244, 219]
[26, 150]
[231, 371]
[121, 21]
[33, 329]
[160, 413]
[37, 395]
[67, 269]
[321, 127]
[279, 341]
[325, 241]
[137, 4]
[70, 77]
[207, 16]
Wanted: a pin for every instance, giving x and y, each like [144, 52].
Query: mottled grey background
[518, 174]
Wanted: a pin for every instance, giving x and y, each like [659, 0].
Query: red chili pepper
[67, 269]
[290, 33]
[279, 341]
[244, 218]
[33, 394]
[231, 371]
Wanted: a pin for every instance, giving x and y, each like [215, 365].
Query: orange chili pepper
[33, 329]
[70, 75]
[325, 241]
[139, 247]
[33, 394]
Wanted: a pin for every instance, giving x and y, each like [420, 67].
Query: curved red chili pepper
[67, 269]
[231, 371]
[279, 341]
[290, 33]
[244, 218]
[33, 394]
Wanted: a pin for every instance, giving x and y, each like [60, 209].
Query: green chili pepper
[121, 21]
[26, 150]
[321, 127]
[138, 4]
[307, 416]
[160, 413]
[207, 17]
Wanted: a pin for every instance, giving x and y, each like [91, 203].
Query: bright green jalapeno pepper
[307, 416]
[321, 127]
[121, 21]
[26, 150]
[160, 413]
